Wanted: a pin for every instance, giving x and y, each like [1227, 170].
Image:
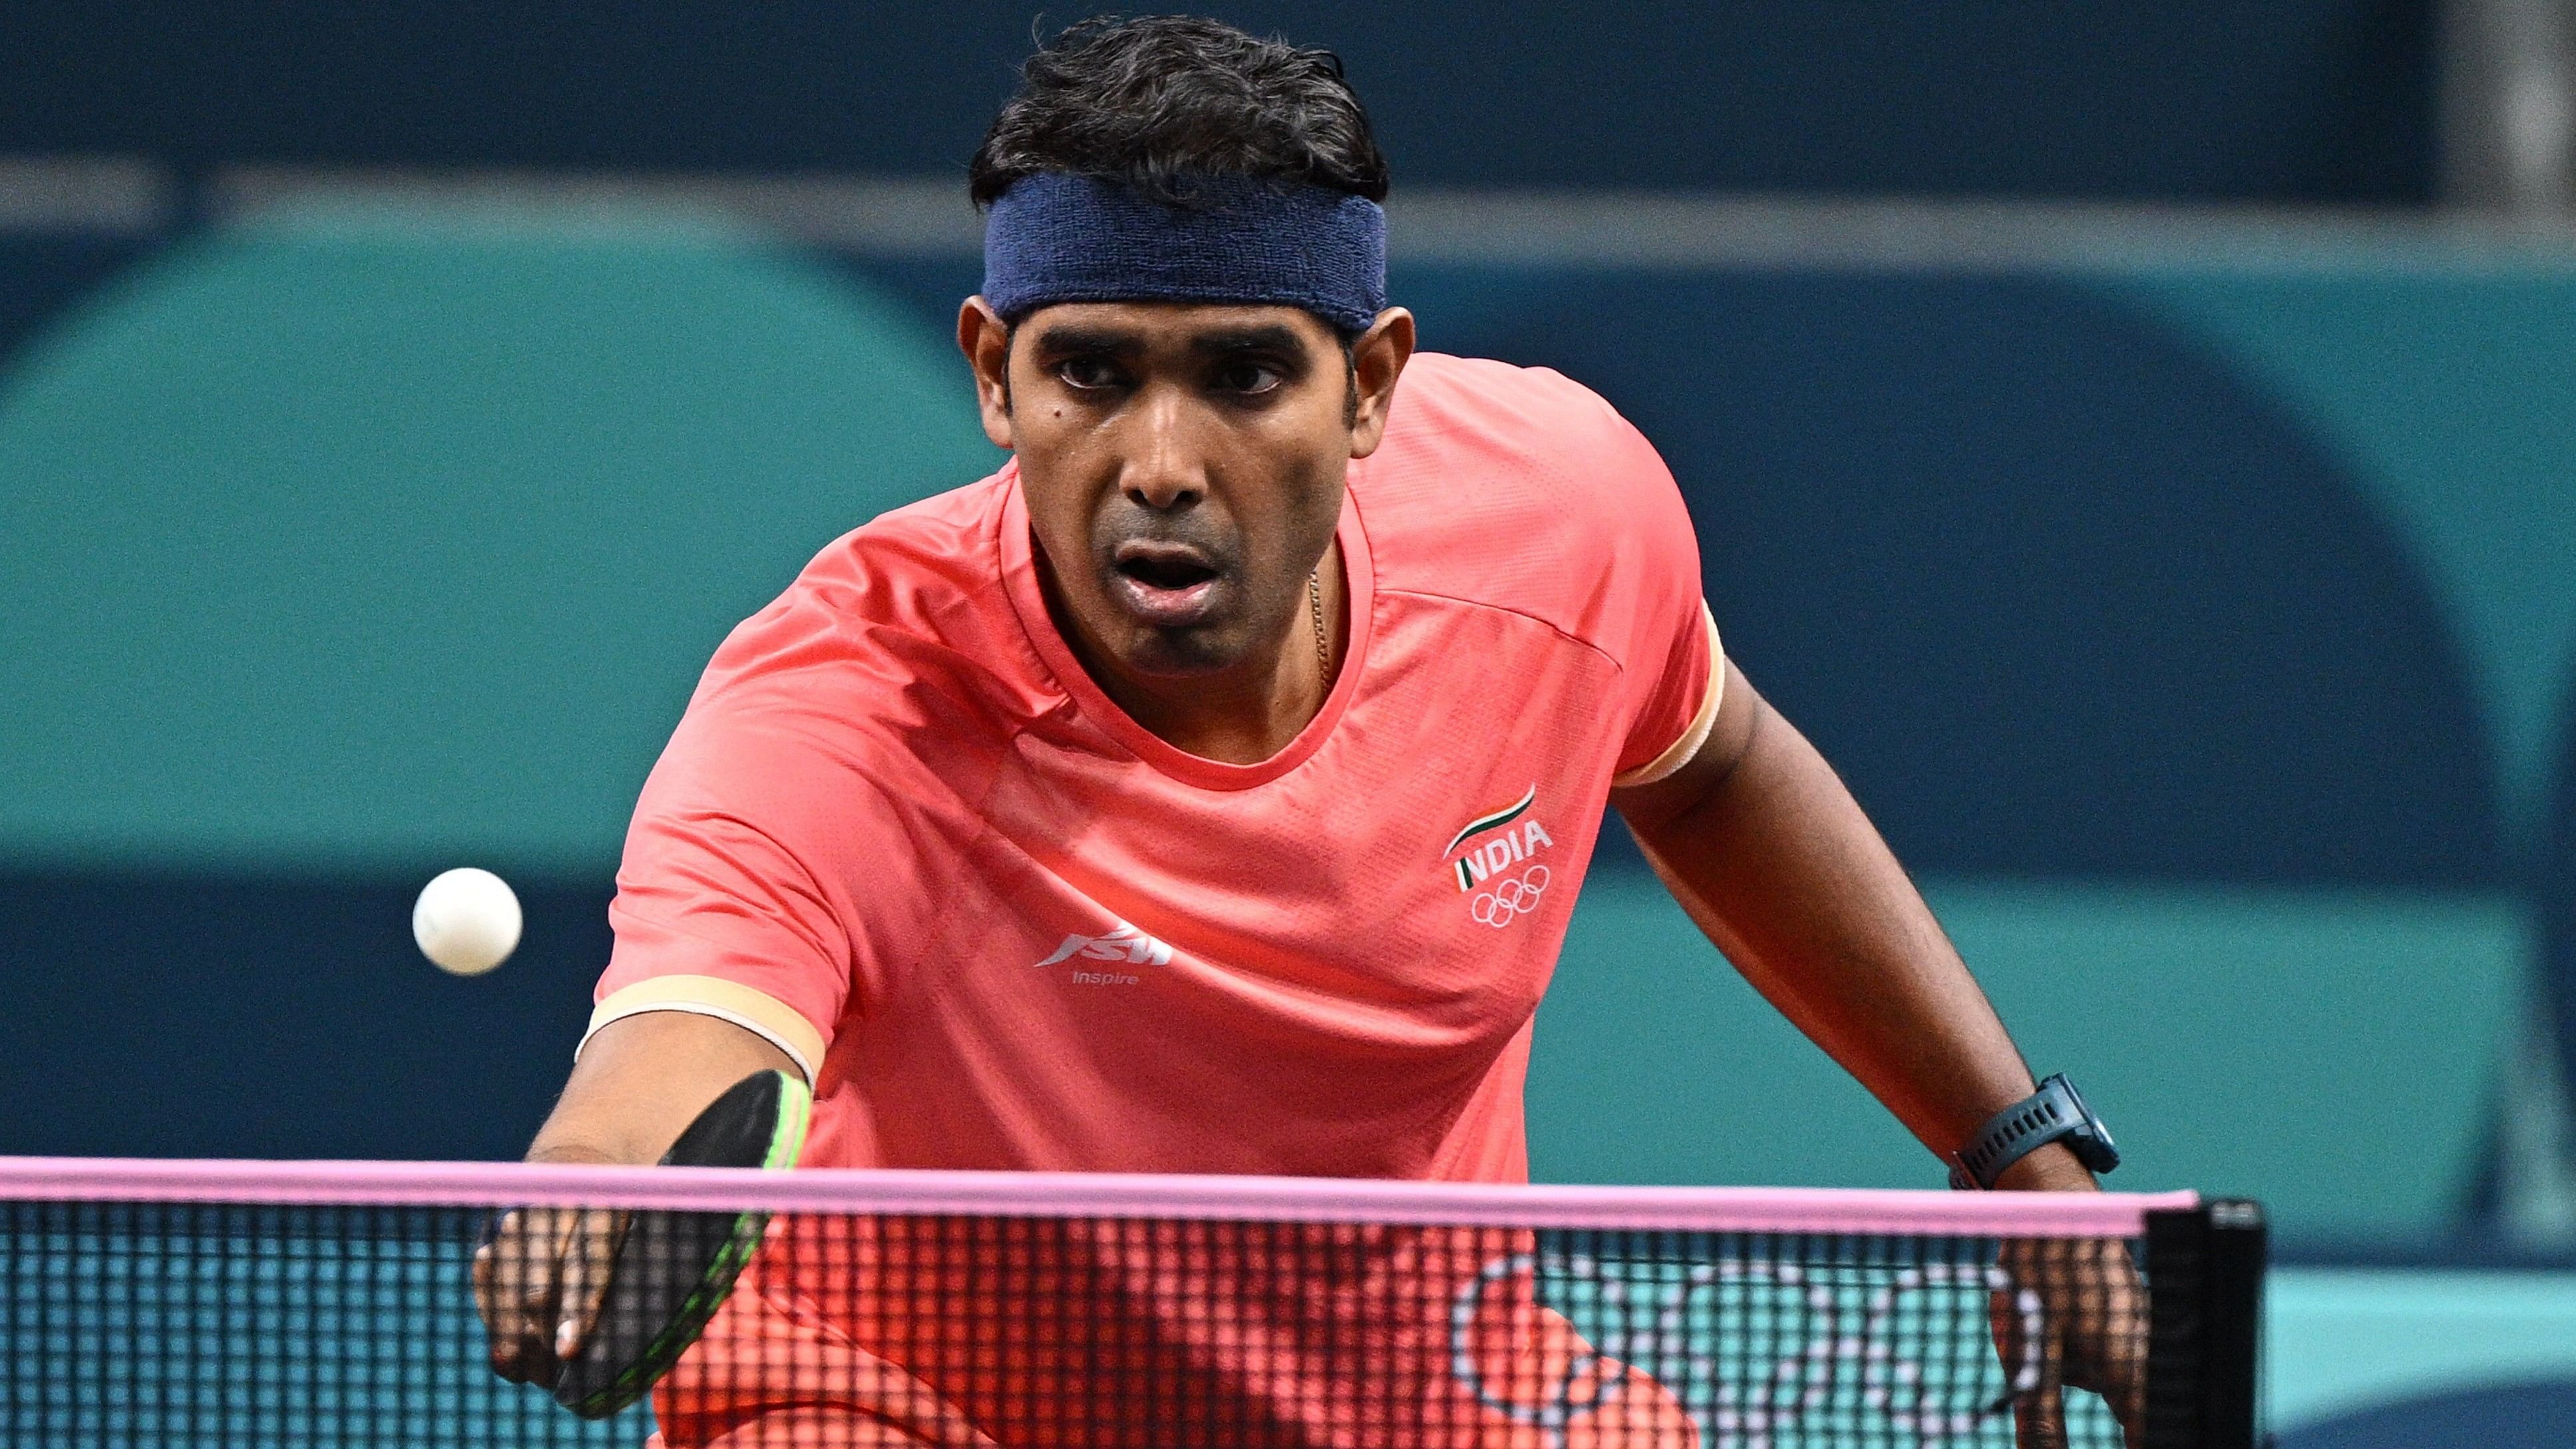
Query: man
[1208, 790]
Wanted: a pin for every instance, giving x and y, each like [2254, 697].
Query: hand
[538, 1283]
[2083, 1299]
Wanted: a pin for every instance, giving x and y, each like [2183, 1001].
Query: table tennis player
[1208, 790]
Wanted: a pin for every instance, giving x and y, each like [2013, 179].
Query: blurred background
[2137, 442]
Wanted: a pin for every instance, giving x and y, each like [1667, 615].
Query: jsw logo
[1126, 943]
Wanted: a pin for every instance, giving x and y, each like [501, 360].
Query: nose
[1164, 470]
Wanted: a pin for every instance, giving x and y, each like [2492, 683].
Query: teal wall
[2346, 1341]
[2450, 394]
[356, 542]
[2330, 1052]
[2201, 634]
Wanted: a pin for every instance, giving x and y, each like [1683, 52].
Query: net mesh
[136, 1322]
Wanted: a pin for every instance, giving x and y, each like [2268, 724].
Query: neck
[1245, 714]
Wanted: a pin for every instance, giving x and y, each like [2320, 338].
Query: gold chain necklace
[1315, 603]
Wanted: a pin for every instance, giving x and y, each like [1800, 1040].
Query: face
[1183, 465]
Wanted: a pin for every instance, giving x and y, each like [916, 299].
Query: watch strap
[2055, 1112]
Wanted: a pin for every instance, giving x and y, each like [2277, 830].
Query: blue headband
[1055, 237]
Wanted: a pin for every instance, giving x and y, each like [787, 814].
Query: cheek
[1305, 455]
[1314, 491]
[1294, 522]
[1059, 514]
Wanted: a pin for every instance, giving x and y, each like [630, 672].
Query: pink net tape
[1050, 1194]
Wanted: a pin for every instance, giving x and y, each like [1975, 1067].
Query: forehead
[1173, 326]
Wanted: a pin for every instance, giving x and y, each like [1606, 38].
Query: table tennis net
[313, 1305]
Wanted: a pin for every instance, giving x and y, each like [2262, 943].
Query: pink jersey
[904, 835]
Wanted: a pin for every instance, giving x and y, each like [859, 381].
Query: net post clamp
[2056, 1112]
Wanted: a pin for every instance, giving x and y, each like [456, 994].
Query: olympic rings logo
[1512, 899]
[1814, 1344]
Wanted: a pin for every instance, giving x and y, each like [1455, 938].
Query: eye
[1086, 373]
[1248, 377]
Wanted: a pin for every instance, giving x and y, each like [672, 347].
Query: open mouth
[1166, 573]
[1166, 585]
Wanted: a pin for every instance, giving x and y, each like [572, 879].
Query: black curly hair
[1151, 100]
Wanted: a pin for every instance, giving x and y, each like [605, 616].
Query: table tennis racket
[672, 1270]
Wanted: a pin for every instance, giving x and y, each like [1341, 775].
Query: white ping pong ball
[466, 921]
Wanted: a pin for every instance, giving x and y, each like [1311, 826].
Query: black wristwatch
[2056, 1113]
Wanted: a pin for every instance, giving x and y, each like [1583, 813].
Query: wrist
[2055, 1115]
[572, 1154]
[2051, 1168]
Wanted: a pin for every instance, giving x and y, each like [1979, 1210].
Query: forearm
[1777, 863]
[641, 1080]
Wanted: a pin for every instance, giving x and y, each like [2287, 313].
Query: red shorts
[948, 1332]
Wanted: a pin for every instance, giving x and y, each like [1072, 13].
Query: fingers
[2094, 1309]
[572, 1323]
[2106, 1352]
[591, 1250]
[2034, 1362]
[516, 1287]
[2039, 1417]
[2126, 1392]
[2106, 1335]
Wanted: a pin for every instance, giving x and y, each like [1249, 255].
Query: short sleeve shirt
[901, 833]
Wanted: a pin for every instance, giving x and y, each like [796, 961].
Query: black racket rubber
[672, 1270]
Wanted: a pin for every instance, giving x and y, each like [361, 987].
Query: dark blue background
[2276, 100]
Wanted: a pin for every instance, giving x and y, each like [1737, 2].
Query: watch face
[2099, 1153]
[2083, 1109]
[2102, 1154]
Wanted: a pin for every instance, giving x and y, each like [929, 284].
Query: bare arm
[644, 1078]
[638, 1084]
[1760, 842]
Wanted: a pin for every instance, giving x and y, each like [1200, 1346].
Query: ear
[986, 340]
[1378, 357]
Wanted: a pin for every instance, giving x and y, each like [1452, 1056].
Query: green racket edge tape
[795, 1113]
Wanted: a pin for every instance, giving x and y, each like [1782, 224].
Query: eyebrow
[1065, 341]
[1073, 339]
[1266, 337]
